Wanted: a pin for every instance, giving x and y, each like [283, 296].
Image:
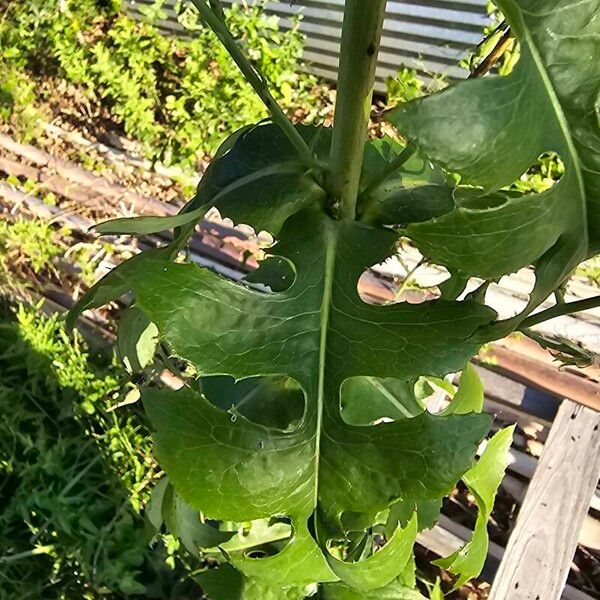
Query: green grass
[74, 476]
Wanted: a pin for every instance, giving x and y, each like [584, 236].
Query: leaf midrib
[331, 239]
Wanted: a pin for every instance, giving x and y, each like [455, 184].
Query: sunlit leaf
[483, 481]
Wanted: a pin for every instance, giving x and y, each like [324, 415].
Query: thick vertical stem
[361, 35]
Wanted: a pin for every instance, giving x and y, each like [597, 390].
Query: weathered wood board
[539, 553]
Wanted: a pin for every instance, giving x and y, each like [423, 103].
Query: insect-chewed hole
[273, 401]
[510, 295]
[405, 277]
[237, 248]
[362, 541]
[474, 199]
[242, 254]
[372, 401]
[260, 538]
[543, 174]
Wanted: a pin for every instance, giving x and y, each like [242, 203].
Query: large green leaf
[319, 333]
[491, 130]
[328, 490]
[280, 422]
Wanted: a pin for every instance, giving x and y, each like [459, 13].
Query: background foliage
[178, 97]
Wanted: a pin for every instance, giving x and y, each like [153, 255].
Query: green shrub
[590, 270]
[405, 86]
[17, 101]
[30, 241]
[178, 97]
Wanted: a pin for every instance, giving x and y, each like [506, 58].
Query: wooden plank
[542, 545]
[447, 537]
[547, 377]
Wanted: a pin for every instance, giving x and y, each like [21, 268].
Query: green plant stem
[27, 554]
[361, 35]
[559, 310]
[383, 175]
[255, 79]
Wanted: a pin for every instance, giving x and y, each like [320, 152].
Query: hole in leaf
[260, 538]
[371, 400]
[405, 277]
[545, 173]
[472, 198]
[510, 295]
[358, 546]
[273, 401]
[233, 244]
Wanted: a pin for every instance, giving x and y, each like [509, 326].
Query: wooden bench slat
[542, 545]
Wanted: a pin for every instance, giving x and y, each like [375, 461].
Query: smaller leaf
[436, 591]
[564, 351]
[483, 481]
[367, 399]
[114, 284]
[443, 384]
[136, 340]
[469, 395]
[154, 509]
[383, 566]
[184, 523]
[261, 532]
[416, 192]
[147, 225]
[428, 512]
[258, 179]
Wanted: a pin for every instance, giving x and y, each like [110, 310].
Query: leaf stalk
[255, 79]
[361, 36]
[559, 310]
[384, 174]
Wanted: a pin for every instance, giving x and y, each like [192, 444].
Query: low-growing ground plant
[179, 97]
[300, 454]
[74, 475]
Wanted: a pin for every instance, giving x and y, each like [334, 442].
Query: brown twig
[492, 58]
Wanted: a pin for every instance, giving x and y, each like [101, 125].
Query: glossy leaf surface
[493, 129]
